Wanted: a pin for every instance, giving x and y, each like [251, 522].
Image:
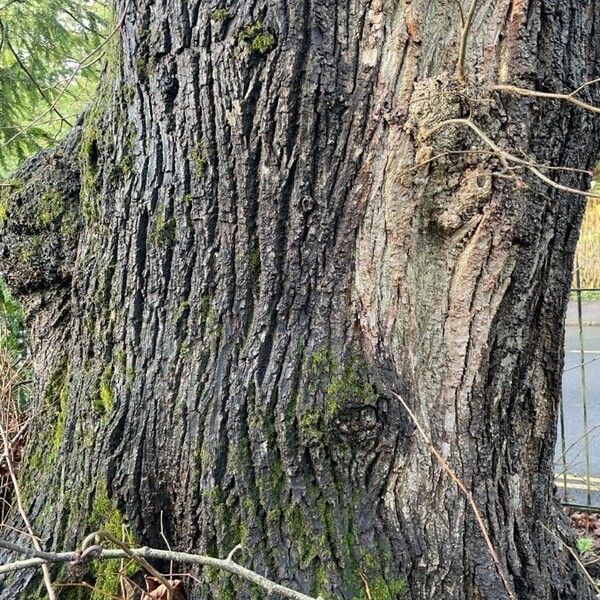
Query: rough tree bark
[247, 263]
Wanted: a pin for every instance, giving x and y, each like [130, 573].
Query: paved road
[580, 462]
[590, 312]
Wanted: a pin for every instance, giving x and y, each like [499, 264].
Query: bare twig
[584, 85]
[164, 537]
[462, 51]
[366, 584]
[30, 76]
[506, 157]
[461, 11]
[15, 529]
[83, 64]
[81, 23]
[237, 549]
[138, 559]
[39, 558]
[574, 555]
[511, 89]
[424, 163]
[586, 433]
[466, 493]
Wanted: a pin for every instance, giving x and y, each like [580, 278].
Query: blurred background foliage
[51, 57]
[48, 70]
[588, 248]
[15, 391]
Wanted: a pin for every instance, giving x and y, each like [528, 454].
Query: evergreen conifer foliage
[42, 44]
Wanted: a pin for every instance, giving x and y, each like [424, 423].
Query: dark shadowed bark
[248, 263]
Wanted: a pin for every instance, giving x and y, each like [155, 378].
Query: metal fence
[577, 456]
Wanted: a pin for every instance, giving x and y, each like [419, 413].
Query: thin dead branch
[462, 51]
[99, 535]
[574, 555]
[506, 157]
[30, 76]
[571, 98]
[441, 155]
[86, 62]
[164, 537]
[366, 584]
[466, 493]
[40, 558]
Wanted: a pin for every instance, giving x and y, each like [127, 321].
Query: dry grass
[588, 249]
[14, 417]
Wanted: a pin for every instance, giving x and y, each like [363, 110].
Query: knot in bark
[40, 220]
[433, 102]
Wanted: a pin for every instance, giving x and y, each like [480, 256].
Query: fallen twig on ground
[40, 559]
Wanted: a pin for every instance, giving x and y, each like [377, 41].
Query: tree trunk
[256, 238]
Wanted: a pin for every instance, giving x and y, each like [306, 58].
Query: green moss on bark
[56, 399]
[259, 39]
[219, 15]
[333, 386]
[103, 401]
[199, 161]
[105, 516]
[162, 229]
[4, 206]
[50, 208]
[44, 447]
[7, 188]
[97, 136]
[59, 395]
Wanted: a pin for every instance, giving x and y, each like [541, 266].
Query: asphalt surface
[581, 407]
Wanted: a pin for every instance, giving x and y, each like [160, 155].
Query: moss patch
[104, 514]
[162, 230]
[219, 15]
[106, 517]
[199, 161]
[337, 385]
[41, 455]
[103, 400]
[4, 206]
[50, 208]
[97, 137]
[349, 384]
[56, 400]
[7, 188]
[260, 40]
[385, 590]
